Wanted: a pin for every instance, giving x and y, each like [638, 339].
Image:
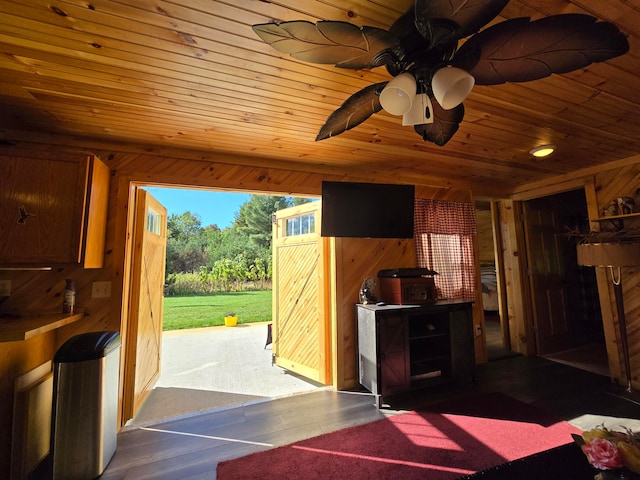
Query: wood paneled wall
[356, 259]
[607, 186]
[41, 292]
[601, 185]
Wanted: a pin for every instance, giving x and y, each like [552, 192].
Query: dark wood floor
[493, 338]
[190, 448]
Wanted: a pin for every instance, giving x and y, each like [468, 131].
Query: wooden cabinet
[53, 212]
[401, 348]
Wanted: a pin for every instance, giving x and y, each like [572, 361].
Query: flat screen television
[367, 210]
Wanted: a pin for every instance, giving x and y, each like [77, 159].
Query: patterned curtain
[443, 233]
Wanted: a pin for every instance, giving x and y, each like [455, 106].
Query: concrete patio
[216, 367]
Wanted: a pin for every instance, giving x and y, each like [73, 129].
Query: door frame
[520, 316]
[501, 282]
[125, 218]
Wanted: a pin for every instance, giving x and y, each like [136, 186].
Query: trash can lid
[87, 346]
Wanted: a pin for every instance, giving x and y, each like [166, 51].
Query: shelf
[16, 329]
[427, 358]
[429, 335]
[430, 374]
[616, 217]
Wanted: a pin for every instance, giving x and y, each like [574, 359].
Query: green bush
[184, 284]
[205, 283]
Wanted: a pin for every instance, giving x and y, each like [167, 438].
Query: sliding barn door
[144, 339]
[301, 331]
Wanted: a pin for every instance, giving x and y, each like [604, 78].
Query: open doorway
[211, 367]
[496, 328]
[568, 322]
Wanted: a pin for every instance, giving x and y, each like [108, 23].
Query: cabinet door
[394, 354]
[40, 210]
[44, 210]
[462, 345]
[94, 224]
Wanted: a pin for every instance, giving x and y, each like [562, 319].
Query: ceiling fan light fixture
[542, 150]
[421, 111]
[451, 86]
[425, 40]
[397, 97]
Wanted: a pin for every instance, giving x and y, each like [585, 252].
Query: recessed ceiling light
[542, 150]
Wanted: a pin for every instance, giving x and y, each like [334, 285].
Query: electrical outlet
[101, 290]
[478, 330]
[5, 288]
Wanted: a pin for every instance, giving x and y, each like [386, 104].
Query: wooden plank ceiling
[192, 75]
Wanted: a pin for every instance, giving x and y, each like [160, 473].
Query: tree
[184, 227]
[301, 200]
[229, 243]
[185, 247]
[255, 217]
[185, 257]
[246, 245]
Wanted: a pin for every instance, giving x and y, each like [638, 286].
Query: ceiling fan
[432, 76]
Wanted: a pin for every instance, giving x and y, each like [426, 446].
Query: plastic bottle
[69, 301]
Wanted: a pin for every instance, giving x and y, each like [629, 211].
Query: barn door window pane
[153, 221]
[301, 225]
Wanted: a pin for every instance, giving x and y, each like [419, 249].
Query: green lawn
[194, 311]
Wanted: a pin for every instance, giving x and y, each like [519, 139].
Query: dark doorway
[566, 307]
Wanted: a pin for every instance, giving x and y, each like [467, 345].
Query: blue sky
[213, 207]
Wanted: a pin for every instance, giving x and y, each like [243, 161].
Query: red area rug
[442, 443]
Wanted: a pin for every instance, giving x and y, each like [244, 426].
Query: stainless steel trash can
[85, 405]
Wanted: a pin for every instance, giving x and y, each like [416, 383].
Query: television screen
[367, 210]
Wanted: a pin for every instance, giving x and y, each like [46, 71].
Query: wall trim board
[123, 155]
[531, 190]
[552, 189]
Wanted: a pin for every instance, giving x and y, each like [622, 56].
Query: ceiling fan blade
[519, 50]
[339, 43]
[355, 110]
[445, 124]
[441, 20]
